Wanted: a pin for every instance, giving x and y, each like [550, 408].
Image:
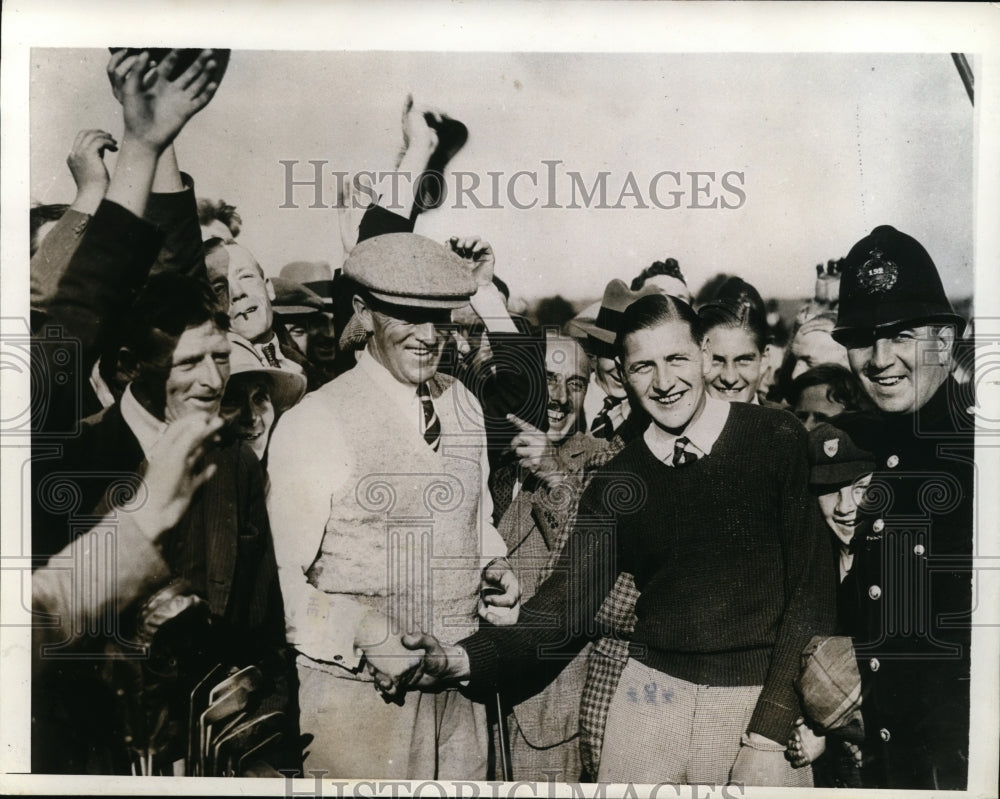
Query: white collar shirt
[144, 426]
[701, 434]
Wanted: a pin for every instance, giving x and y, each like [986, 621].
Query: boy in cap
[914, 552]
[840, 472]
[382, 527]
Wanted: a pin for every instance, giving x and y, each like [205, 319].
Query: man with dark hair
[736, 342]
[218, 219]
[913, 566]
[89, 711]
[730, 562]
[665, 275]
[176, 353]
[823, 392]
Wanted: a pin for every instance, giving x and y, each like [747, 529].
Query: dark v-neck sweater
[729, 556]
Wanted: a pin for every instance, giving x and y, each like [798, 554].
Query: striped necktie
[682, 456]
[432, 425]
[602, 426]
[270, 355]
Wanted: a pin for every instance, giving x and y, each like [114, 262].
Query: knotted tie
[269, 354]
[682, 457]
[602, 426]
[432, 425]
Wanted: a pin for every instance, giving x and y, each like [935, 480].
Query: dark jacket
[81, 470]
[908, 598]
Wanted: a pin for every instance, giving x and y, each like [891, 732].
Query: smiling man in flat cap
[913, 561]
[381, 526]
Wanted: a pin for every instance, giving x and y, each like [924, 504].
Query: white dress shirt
[701, 434]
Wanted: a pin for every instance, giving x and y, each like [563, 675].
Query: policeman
[912, 576]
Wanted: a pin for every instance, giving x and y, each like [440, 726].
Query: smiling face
[902, 371]
[735, 365]
[250, 294]
[567, 372]
[198, 373]
[248, 402]
[840, 508]
[663, 365]
[410, 349]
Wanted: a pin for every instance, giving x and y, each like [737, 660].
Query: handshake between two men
[420, 661]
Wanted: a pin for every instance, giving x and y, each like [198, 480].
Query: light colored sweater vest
[403, 535]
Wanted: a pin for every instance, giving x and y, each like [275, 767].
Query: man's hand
[175, 470]
[480, 255]
[118, 68]
[804, 746]
[443, 665]
[500, 594]
[156, 108]
[86, 164]
[352, 203]
[393, 665]
[760, 763]
[419, 138]
[535, 452]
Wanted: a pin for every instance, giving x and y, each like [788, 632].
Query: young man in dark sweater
[710, 511]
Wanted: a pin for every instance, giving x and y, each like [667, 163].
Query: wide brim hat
[314, 275]
[602, 324]
[294, 299]
[287, 387]
[410, 270]
[889, 279]
[835, 458]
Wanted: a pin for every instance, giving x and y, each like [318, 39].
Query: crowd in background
[385, 521]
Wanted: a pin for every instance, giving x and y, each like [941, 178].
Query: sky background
[830, 145]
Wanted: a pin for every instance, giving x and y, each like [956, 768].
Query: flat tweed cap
[411, 270]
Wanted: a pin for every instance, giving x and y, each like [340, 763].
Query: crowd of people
[671, 540]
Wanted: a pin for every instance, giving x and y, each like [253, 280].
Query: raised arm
[86, 165]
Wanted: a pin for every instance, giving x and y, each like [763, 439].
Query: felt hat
[314, 275]
[888, 279]
[287, 387]
[599, 322]
[406, 269]
[835, 458]
[291, 298]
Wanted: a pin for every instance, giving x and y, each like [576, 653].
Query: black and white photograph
[534, 399]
